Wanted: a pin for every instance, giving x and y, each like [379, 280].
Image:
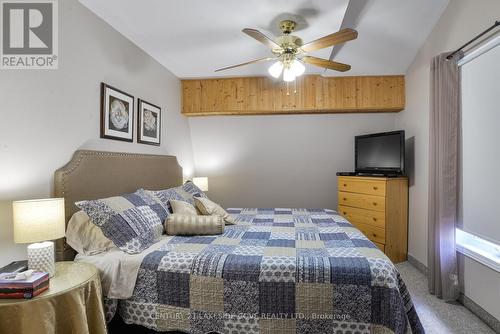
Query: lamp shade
[201, 182]
[276, 69]
[297, 68]
[38, 220]
[288, 75]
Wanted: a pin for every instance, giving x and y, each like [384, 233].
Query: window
[480, 233]
[484, 251]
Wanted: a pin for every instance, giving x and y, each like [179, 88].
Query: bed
[278, 270]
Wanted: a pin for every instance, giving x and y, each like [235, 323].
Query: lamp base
[41, 257]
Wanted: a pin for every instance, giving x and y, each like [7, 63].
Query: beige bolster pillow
[180, 224]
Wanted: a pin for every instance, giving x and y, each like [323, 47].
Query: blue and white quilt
[276, 271]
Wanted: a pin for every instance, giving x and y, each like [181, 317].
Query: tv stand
[346, 173]
[367, 174]
[376, 175]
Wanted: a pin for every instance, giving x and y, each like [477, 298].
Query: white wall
[46, 115]
[278, 161]
[462, 20]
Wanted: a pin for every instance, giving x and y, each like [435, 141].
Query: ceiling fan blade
[261, 38]
[341, 36]
[331, 65]
[247, 63]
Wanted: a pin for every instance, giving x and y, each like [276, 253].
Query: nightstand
[72, 304]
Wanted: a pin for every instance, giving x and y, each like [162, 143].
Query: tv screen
[380, 153]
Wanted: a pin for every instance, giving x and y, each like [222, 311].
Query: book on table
[26, 288]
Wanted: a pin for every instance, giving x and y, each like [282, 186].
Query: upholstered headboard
[95, 174]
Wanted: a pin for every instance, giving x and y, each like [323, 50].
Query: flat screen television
[380, 153]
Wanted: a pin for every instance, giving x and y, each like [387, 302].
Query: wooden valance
[310, 94]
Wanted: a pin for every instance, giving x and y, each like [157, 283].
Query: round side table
[72, 304]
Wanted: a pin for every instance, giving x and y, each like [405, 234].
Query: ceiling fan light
[288, 75]
[275, 69]
[297, 68]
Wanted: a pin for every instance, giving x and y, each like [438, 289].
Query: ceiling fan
[290, 53]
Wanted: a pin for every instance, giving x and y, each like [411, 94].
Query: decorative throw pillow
[183, 208]
[207, 207]
[85, 237]
[132, 221]
[186, 193]
[179, 224]
[193, 190]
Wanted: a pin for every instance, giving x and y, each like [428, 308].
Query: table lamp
[36, 221]
[201, 182]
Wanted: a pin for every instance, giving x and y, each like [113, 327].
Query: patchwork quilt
[276, 271]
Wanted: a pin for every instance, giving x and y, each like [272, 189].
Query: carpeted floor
[437, 316]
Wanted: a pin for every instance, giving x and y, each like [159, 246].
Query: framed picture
[149, 123]
[117, 114]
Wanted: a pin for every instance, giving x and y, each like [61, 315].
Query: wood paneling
[309, 94]
[386, 225]
[380, 93]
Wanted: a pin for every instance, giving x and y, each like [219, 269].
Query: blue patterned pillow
[184, 193]
[132, 221]
[193, 190]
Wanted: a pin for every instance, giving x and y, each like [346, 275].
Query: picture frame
[148, 123]
[117, 114]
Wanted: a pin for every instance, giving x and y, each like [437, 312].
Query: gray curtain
[444, 177]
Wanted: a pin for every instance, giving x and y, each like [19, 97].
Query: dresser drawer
[369, 217]
[375, 234]
[380, 246]
[362, 201]
[363, 186]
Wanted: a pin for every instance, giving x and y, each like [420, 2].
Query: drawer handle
[345, 199]
[345, 185]
[374, 235]
[344, 213]
[375, 188]
[374, 203]
[374, 219]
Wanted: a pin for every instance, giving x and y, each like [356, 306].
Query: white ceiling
[192, 38]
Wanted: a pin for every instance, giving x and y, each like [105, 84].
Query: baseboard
[417, 264]
[482, 314]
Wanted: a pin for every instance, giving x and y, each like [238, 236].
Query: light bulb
[298, 68]
[275, 69]
[288, 75]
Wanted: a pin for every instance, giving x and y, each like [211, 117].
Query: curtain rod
[496, 24]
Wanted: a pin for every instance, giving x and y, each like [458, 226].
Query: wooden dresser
[378, 207]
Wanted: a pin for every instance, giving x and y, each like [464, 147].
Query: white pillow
[85, 237]
[209, 208]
